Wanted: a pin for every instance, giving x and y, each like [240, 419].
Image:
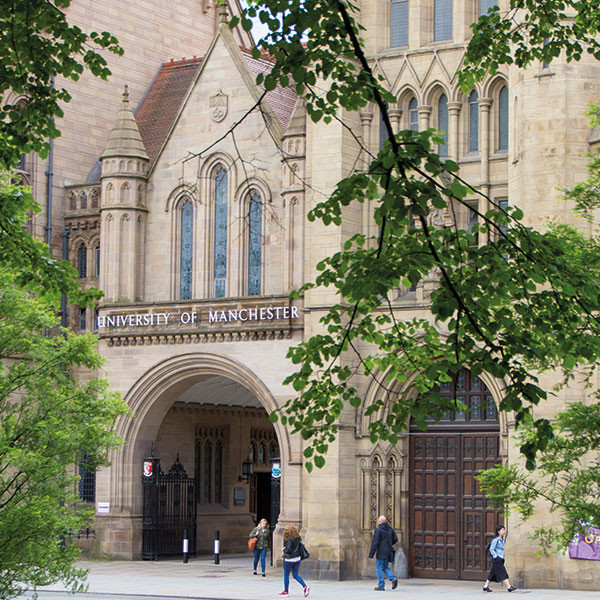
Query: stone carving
[218, 107]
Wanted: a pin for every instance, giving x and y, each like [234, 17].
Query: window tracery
[255, 217]
[381, 481]
[220, 234]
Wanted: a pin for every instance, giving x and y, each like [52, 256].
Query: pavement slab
[232, 579]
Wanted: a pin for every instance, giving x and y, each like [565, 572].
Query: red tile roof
[282, 100]
[159, 108]
[162, 102]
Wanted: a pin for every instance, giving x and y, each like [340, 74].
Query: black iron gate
[169, 513]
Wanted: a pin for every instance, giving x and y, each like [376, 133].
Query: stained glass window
[442, 20]
[503, 119]
[186, 253]
[255, 214]
[399, 23]
[443, 124]
[473, 122]
[220, 232]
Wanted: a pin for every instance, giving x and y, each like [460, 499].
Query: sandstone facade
[196, 321]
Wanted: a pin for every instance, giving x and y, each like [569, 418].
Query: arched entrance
[450, 520]
[211, 414]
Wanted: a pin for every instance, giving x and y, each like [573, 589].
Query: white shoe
[306, 591]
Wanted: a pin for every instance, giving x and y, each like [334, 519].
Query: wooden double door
[451, 521]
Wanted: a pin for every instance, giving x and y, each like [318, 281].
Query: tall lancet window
[503, 119]
[254, 245]
[413, 115]
[186, 254]
[220, 260]
[443, 124]
[473, 122]
[82, 261]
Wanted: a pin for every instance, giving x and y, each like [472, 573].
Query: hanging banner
[586, 546]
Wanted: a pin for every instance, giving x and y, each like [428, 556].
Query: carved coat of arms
[218, 107]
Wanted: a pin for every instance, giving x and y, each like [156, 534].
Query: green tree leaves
[48, 419]
[531, 31]
[497, 297]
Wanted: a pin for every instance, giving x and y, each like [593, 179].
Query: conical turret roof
[125, 138]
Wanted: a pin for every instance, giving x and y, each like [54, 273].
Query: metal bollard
[185, 546]
[217, 547]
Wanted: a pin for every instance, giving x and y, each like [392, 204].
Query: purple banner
[586, 546]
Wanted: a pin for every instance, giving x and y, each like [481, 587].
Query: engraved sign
[218, 107]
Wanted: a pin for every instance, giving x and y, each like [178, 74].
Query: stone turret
[123, 209]
[293, 143]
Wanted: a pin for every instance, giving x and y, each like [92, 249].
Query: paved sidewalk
[232, 579]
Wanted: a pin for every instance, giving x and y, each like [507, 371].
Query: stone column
[453, 113]
[424, 114]
[366, 120]
[395, 114]
[485, 105]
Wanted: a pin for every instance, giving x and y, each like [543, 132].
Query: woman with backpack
[498, 571]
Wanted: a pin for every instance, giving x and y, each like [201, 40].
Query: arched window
[442, 20]
[503, 119]
[186, 257]
[98, 259]
[255, 213]
[399, 23]
[473, 122]
[443, 124]
[485, 5]
[413, 115]
[82, 261]
[83, 200]
[220, 233]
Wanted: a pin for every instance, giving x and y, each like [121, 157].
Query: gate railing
[169, 511]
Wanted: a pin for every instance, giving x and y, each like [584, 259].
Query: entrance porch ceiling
[221, 391]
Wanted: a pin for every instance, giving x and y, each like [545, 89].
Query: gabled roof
[162, 102]
[282, 100]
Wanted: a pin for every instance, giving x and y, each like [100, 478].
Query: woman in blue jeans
[263, 543]
[291, 560]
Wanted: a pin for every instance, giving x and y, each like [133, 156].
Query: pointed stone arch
[151, 397]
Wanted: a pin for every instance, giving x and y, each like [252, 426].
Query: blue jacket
[497, 547]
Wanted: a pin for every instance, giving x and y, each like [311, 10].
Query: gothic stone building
[197, 238]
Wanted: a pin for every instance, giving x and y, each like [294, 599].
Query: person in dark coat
[498, 571]
[292, 555]
[384, 539]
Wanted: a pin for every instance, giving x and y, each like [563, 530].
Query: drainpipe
[65, 256]
[49, 174]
